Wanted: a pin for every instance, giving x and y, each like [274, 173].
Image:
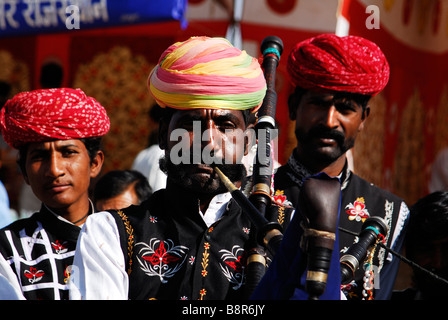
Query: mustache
[235, 172]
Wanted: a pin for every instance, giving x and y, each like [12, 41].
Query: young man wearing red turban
[334, 79]
[58, 134]
[189, 240]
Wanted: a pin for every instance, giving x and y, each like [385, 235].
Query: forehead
[327, 95]
[209, 114]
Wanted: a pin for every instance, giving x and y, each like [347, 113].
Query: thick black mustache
[326, 133]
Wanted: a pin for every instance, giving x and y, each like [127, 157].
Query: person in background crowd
[7, 214]
[334, 78]
[58, 134]
[439, 172]
[118, 189]
[427, 245]
[6, 217]
[147, 160]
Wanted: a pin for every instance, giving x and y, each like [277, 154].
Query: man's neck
[76, 215]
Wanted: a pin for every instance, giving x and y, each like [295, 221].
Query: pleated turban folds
[329, 62]
[52, 114]
[207, 73]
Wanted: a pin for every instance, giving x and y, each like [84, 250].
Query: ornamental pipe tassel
[371, 230]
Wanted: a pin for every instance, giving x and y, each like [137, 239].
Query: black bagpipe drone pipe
[318, 201]
[269, 234]
[260, 197]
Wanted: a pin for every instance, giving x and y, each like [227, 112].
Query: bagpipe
[313, 229]
[321, 230]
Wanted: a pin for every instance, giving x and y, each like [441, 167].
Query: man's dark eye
[189, 123]
[36, 156]
[321, 102]
[227, 125]
[69, 152]
[345, 106]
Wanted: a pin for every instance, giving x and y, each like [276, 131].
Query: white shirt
[9, 284]
[98, 271]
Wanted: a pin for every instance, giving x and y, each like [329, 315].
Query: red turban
[52, 114]
[330, 62]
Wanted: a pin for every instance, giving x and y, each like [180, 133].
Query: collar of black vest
[300, 172]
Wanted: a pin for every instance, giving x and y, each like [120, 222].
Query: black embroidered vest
[360, 200]
[172, 254]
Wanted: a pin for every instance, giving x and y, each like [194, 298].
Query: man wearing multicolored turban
[188, 241]
[334, 78]
[58, 134]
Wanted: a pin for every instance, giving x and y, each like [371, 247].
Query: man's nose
[330, 117]
[210, 135]
[55, 166]
[211, 139]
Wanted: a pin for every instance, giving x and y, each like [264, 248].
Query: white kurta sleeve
[98, 271]
[9, 284]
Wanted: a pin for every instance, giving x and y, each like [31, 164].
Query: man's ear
[97, 164]
[365, 115]
[367, 112]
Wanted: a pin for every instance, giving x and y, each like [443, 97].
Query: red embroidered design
[161, 258]
[205, 259]
[34, 275]
[202, 292]
[279, 199]
[58, 247]
[233, 266]
[357, 210]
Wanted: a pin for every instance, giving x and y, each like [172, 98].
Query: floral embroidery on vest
[357, 210]
[232, 265]
[161, 258]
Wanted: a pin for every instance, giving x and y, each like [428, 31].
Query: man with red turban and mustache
[334, 78]
[58, 134]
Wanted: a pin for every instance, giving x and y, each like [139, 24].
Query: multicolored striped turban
[329, 62]
[52, 114]
[207, 73]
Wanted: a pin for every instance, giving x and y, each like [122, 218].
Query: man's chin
[324, 154]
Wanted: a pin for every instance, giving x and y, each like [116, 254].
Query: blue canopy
[27, 17]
